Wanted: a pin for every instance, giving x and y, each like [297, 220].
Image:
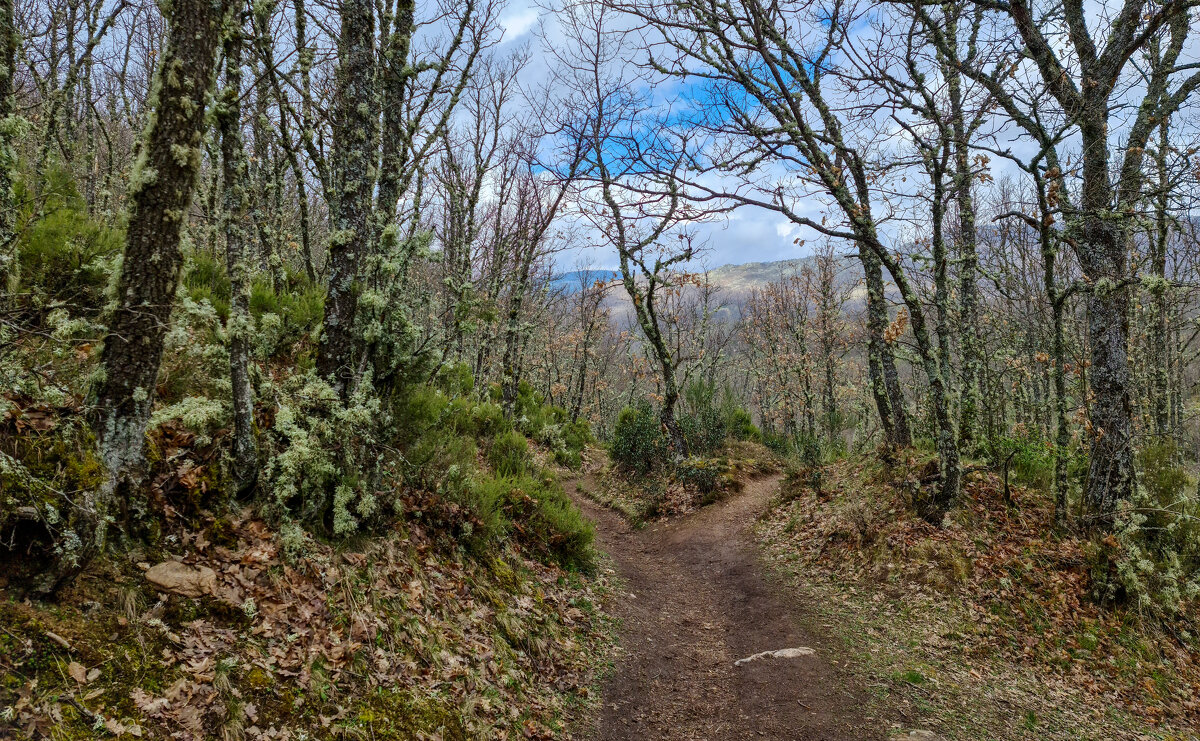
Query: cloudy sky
[746, 235]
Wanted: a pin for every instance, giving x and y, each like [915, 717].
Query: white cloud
[518, 23]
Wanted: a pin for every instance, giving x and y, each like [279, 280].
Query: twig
[60, 640]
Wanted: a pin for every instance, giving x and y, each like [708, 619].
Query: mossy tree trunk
[160, 194]
[353, 176]
[8, 62]
[236, 205]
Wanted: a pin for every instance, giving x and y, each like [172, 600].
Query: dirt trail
[694, 601]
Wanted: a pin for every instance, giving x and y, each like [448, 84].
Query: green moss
[389, 715]
[221, 533]
[505, 576]
[259, 679]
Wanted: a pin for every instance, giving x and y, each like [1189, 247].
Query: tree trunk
[1062, 437]
[1102, 248]
[236, 202]
[1160, 361]
[1110, 473]
[355, 117]
[968, 410]
[881, 362]
[947, 439]
[160, 194]
[512, 331]
[8, 60]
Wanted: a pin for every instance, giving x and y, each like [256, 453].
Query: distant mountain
[572, 280]
[733, 279]
[743, 278]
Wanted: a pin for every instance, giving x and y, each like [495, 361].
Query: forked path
[694, 600]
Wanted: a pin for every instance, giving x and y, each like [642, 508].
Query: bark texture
[236, 205]
[160, 194]
[355, 137]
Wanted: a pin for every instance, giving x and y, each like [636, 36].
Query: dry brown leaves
[1024, 590]
[293, 648]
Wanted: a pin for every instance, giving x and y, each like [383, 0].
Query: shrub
[435, 434]
[323, 454]
[702, 422]
[205, 279]
[456, 379]
[301, 307]
[531, 412]
[487, 419]
[47, 456]
[704, 431]
[741, 426]
[1031, 462]
[63, 255]
[509, 454]
[1152, 558]
[638, 443]
[577, 435]
[703, 475]
[536, 513]
[571, 438]
[195, 357]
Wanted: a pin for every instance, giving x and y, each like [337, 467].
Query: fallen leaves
[277, 649]
[996, 600]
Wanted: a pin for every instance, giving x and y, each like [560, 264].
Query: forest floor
[694, 602]
[983, 629]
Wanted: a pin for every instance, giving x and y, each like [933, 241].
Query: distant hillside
[748, 276]
[733, 279]
[572, 281]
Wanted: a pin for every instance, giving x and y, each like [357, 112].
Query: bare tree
[768, 73]
[1082, 77]
[235, 207]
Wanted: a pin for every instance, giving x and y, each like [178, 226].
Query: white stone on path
[783, 653]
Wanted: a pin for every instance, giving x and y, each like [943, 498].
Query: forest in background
[321, 263]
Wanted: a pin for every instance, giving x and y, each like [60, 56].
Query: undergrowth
[1108, 644]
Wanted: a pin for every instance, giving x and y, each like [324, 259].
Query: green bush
[205, 279]
[509, 454]
[703, 475]
[321, 452]
[741, 426]
[701, 420]
[1152, 559]
[709, 419]
[638, 443]
[488, 420]
[456, 379]
[536, 513]
[301, 307]
[569, 440]
[577, 435]
[802, 449]
[64, 256]
[532, 414]
[1032, 459]
[704, 431]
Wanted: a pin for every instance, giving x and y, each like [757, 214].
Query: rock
[783, 653]
[178, 578]
[915, 735]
